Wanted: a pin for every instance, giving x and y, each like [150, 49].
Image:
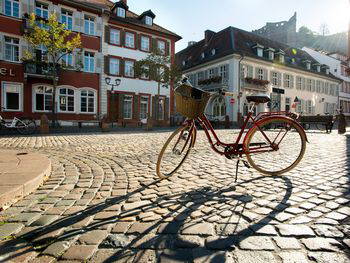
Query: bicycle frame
[12, 124]
[237, 148]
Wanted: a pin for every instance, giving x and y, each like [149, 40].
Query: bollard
[149, 126]
[44, 124]
[341, 122]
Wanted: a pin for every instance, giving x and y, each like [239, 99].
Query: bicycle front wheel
[274, 152]
[26, 126]
[175, 151]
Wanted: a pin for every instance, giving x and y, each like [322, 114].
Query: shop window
[127, 107]
[219, 107]
[87, 101]
[144, 107]
[43, 98]
[66, 100]
[11, 49]
[12, 8]
[12, 95]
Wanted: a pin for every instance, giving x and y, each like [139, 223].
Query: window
[145, 43]
[120, 12]
[145, 72]
[308, 65]
[144, 107]
[87, 101]
[67, 60]
[219, 107]
[148, 20]
[275, 78]
[202, 55]
[259, 52]
[43, 98]
[326, 88]
[161, 106]
[213, 52]
[67, 19]
[127, 107]
[281, 57]
[66, 100]
[12, 95]
[11, 49]
[200, 75]
[318, 86]
[115, 37]
[287, 81]
[287, 104]
[41, 52]
[89, 25]
[42, 10]
[129, 69]
[89, 62]
[12, 8]
[308, 84]
[161, 47]
[309, 108]
[271, 55]
[211, 73]
[223, 71]
[114, 66]
[130, 40]
[300, 82]
[260, 74]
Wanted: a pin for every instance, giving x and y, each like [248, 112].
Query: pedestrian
[341, 122]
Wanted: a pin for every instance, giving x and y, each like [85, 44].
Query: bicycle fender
[273, 117]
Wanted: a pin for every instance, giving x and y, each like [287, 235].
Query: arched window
[219, 107]
[87, 101]
[43, 98]
[66, 100]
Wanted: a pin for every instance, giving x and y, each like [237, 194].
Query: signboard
[232, 100]
[5, 72]
[279, 91]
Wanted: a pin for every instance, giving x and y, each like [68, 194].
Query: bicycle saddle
[258, 98]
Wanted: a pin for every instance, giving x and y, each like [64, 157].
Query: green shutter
[167, 49]
[121, 106]
[136, 41]
[154, 108]
[122, 38]
[107, 34]
[106, 65]
[2, 49]
[135, 112]
[166, 109]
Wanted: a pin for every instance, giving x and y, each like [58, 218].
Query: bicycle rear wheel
[26, 126]
[175, 151]
[287, 147]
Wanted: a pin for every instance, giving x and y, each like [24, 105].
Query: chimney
[191, 43]
[208, 34]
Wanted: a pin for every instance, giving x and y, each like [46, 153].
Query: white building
[128, 38]
[339, 66]
[246, 64]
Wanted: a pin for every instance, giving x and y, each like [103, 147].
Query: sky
[190, 18]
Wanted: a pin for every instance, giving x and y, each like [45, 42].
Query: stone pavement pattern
[103, 203]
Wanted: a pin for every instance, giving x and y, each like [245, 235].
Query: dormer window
[327, 71]
[317, 67]
[183, 63]
[259, 50]
[121, 12]
[270, 53]
[213, 52]
[148, 20]
[307, 64]
[202, 55]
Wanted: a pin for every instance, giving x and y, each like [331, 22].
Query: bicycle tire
[186, 150]
[265, 163]
[321, 127]
[26, 126]
[306, 126]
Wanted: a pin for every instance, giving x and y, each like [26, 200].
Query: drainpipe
[239, 89]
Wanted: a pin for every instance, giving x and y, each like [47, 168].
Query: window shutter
[31, 6]
[2, 49]
[256, 73]
[99, 26]
[271, 76]
[139, 41]
[265, 74]
[154, 44]
[250, 71]
[291, 82]
[166, 109]
[122, 67]
[120, 106]
[135, 112]
[284, 80]
[106, 65]
[313, 85]
[77, 21]
[107, 34]
[136, 41]
[79, 63]
[51, 9]
[167, 51]
[122, 37]
[216, 71]
[302, 83]
[154, 107]
[57, 12]
[98, 63]
[24, 7]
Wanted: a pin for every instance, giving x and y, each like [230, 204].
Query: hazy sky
[190, 18]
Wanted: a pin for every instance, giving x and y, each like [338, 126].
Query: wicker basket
[190, 102]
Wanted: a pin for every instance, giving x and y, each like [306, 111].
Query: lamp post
[117, 83]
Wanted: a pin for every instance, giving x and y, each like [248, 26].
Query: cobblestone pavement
[104, 203]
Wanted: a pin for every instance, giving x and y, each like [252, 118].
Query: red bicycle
[273, 144]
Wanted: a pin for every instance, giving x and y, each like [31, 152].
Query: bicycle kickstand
[237, 163]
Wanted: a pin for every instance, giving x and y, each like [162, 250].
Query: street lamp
[117, 83]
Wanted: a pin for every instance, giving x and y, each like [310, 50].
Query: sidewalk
[21, 172]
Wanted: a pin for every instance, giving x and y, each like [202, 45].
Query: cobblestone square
[104, 203]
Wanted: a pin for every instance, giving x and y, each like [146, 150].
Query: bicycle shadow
[170, 232]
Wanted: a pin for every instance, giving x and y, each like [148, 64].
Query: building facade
[111, 44]
[128, 38]
[339, 65]
[246, 64]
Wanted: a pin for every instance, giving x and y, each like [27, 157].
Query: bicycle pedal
[246, 164]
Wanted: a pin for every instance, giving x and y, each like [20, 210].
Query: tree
[324, 29]
[58, 42]
[159, 68]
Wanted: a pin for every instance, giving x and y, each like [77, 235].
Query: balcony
[254, 84]
[39, 69]
[213, 84]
